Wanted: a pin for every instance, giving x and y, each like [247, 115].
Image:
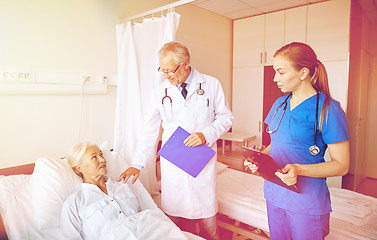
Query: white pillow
[10, 186]
[53, 180]
[16, 208]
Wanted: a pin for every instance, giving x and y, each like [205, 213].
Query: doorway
[271, 92]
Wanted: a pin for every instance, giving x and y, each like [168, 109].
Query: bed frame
[241, 231]
[22, 169]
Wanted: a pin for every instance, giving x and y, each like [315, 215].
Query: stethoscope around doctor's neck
[314, 150]
[200, 91]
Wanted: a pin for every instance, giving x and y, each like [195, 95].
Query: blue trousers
[288, 225]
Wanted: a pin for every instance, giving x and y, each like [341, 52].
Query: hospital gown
[91, 214]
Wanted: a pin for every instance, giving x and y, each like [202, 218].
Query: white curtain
[138, 45]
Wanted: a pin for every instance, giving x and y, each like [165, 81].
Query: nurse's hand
[128, 173]
[195, 139]
[288, 174]
[248, 164]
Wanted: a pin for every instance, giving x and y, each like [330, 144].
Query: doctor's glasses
[171, 73]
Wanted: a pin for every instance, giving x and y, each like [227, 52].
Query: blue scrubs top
[291, 143]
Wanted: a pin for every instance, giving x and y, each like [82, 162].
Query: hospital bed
[241, 200]
[27, 215]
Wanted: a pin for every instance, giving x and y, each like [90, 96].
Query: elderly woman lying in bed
[106, 209]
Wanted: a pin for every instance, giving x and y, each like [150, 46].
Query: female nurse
[303, 124]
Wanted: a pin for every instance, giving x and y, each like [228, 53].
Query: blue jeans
[288, 225]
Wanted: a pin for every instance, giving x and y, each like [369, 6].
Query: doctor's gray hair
[76, 153]
[181, 52]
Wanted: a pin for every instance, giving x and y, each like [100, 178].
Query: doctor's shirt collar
[188, 80]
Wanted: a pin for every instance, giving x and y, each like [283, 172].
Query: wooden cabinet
[295, 25]
[247, 104]
[328, 29]
[324, 26]
[256, 39]
[274, 35]
[248, 42]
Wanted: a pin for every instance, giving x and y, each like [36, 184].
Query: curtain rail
[156, 10]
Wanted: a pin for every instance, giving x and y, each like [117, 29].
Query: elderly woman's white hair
[76, 153]
[180, 51]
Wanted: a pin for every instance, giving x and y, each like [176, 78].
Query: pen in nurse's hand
[207, 102]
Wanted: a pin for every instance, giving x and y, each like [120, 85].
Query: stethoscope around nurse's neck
[314, 150]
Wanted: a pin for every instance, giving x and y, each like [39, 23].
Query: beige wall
[57, 37]
[48, 126]
[79, 37]
[73, 36]
[209, 38]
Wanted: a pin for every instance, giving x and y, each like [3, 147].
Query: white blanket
[148, 224]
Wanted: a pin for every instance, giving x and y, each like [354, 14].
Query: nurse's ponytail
[301, 56]
[320, 82]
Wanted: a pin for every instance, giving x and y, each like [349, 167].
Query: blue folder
[192, 160]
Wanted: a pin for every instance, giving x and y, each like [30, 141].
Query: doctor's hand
[195, 139]
[288, 174]
[252, 166]
[128, 173]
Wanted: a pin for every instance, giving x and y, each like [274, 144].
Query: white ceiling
[235, 9]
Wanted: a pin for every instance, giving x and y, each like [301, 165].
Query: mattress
[240, 197]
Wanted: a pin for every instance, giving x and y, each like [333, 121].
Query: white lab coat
[181, 194]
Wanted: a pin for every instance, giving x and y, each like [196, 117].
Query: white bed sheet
[240, 197]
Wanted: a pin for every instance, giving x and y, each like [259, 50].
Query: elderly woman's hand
[128, 173]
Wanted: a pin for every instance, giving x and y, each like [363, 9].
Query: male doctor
[196, 102]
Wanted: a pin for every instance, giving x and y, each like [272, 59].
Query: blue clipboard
[192, 160]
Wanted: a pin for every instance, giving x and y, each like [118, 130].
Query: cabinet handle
[261, 57]
[265, 57]
[259, 125]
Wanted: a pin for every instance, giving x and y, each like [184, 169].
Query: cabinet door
[328, 29]
[274, 35]
[295, 25]
[247, 102]
[248, 41]
[338, 81]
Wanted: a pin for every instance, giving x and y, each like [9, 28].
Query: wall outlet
[104, 79]
[16, 76]
[88, 79]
